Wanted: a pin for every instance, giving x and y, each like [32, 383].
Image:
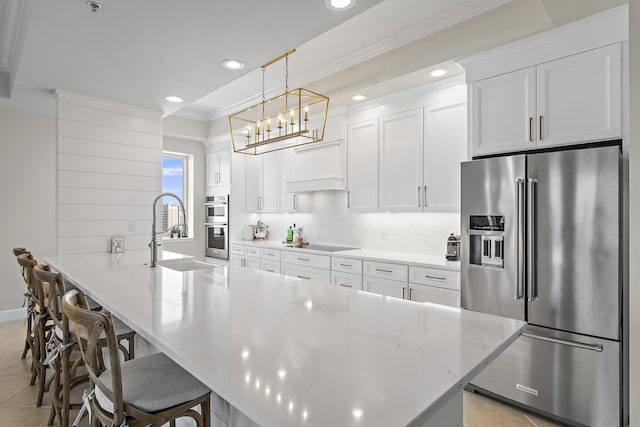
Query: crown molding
[9, 32]
[107, 105]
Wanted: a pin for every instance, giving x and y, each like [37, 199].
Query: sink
[185, 264]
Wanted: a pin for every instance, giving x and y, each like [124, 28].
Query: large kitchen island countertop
[292, 352]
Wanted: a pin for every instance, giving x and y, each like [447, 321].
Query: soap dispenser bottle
[290, 235]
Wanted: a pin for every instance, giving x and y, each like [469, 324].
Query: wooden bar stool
[30, 306]
[151, 390]
[40, 327]
[62, 342]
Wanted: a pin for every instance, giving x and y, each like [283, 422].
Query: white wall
[27, 179]
[193, 246]
[109, 172]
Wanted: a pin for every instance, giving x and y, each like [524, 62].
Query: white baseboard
[15, 314]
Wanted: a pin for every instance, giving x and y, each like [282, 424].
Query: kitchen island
[288, 352]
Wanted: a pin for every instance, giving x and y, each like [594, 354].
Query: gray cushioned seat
[152, 383]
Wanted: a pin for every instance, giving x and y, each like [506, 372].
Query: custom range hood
[321, 166]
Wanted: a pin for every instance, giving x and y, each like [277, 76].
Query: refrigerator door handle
[532, 285]
[520, 273]
[592, 347]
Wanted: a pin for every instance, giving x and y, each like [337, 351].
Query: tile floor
[17, 398]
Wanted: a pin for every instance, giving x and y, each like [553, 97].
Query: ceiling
[139, 52]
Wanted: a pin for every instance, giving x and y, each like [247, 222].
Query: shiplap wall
[109, 171]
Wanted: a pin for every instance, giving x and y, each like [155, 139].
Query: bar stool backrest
[53, 294]
[93, 325]
[27, 262]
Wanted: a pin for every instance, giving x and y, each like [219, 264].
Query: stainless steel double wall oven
[217, 226]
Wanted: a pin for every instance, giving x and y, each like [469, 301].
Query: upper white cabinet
[420, 155]
[579, 98]
[218, 166]
[265, 184]
[566, 101]
[362, 166]
[503, 111]
[445, 147]
[401, 152]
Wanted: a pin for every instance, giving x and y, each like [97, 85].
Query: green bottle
[290, 235]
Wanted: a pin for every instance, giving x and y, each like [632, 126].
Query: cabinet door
[212, 169]
[580, 97]
[401, 154]
[346, 280]
[503, 112]
[253, 190]
[270, 188]
[362, 166]
[224, 167]
[445, 146]
[307, 273]
[422, 293]
[390, 288]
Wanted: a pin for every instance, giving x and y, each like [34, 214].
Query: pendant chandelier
[294, 118]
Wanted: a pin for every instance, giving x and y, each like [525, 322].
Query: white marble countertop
[291, 352]
[419, 259]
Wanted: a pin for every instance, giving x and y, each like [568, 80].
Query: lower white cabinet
[308, 273]
[268, 265]
[346, 280]
[422, 293]
[390, 288]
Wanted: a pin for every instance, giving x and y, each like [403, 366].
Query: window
[176, 179]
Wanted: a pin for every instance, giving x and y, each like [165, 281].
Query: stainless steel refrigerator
[541, 242]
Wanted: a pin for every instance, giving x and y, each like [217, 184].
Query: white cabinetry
[266, 175]
[289, 202]
[362, 166]
[261, 184]
[244, 256]
[420, 284]
[401, 152]
[574, 99]
[306, 266]
[445, 147]
[218, 170]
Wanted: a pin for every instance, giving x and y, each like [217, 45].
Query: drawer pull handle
[436, 277]
[271, 271]
[304, 259]
[269, 254]
[304, 277]
[346, 265]
[345, 286]
[384, 271]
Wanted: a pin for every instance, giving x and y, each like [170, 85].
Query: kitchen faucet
[153, 244]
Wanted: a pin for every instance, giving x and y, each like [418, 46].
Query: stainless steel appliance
[217, 209]
[541, 242]
[217, 227]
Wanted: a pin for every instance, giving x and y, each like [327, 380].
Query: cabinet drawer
[310, 260]
[346, 280]
[253, 263]
[347, 265]
[236, 249]
[390, 288]
[422, 293]
[268, 265]
[309, 273]
[386, 270]
[252, 252]
[270, 254]
[435, 277]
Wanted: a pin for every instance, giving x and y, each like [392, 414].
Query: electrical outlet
[384, 234]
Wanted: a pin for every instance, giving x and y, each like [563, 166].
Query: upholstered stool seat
[144, 388]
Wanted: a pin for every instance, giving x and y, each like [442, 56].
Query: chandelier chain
[263, 98]
[286, 73]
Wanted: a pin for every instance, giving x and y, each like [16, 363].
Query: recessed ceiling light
[339, 4]
[232, 64]
[359, 97]
[175, 99]
[438, 72]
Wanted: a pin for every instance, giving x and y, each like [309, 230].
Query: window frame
[187, 190]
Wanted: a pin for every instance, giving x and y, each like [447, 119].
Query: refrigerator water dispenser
[487, 248]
